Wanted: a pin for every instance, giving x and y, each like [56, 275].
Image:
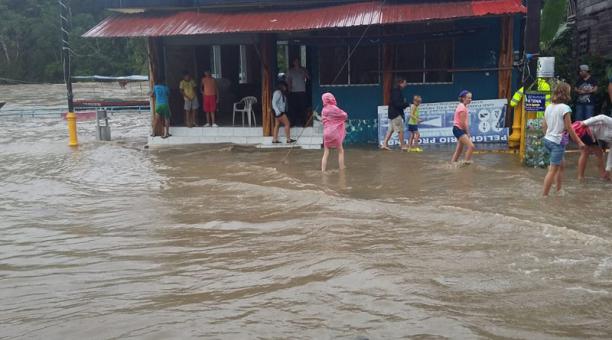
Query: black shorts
[278, 116]
[458, 132]
[413, 128]
[587, 140]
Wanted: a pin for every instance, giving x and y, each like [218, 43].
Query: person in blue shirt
[162, 109]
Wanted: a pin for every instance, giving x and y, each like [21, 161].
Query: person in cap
[585, 88]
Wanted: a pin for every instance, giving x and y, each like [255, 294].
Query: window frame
[216, 66]
[424, 71]
[348, 68]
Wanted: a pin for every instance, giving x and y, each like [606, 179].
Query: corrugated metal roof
[348, 15]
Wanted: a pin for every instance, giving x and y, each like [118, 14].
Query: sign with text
[535, 102]
[486, 120]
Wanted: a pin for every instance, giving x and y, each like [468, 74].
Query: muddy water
[111, 240]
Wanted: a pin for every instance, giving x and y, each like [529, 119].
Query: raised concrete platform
[307, 138]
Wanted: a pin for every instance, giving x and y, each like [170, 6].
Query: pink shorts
[210, 104]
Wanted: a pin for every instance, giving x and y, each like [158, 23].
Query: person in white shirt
[601, 128]
[296, 78]
[279, 105]
[557, 120]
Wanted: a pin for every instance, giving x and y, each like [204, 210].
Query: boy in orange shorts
[210, 94]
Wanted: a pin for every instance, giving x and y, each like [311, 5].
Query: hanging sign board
[535, 102]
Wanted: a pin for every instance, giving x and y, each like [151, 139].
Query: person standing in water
[601, 128]
[211, 98]
[333, 119]
[279, 105]
[557, 120]
[591, 147]
[413, 125]
[396, 114]
[461, 128]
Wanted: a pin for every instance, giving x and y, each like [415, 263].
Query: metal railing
[59, 111]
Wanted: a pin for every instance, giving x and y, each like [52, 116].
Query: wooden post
[388, 56]
[153, 53]
[266, 50]
[505, 58]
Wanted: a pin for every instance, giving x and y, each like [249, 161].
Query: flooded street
[112, 240]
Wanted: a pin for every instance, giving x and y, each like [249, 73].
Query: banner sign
[486, 120]
[535, 102]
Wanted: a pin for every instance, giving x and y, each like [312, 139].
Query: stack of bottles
[536, 155]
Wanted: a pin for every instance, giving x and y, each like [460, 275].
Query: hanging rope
[348, 58]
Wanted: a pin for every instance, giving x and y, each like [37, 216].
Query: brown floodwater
[111, 240]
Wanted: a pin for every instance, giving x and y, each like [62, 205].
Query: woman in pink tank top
[461, 128]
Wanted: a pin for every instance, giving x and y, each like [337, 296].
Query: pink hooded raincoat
[333, 122]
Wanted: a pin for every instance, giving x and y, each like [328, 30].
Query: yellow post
[523, 131]
[72, 129]
[514, 140]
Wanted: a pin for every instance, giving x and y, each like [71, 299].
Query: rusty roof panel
[154, 24]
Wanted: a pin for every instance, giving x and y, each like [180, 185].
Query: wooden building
[353, 49]
[593, 20]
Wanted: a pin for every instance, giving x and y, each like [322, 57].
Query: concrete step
[216, 132]
[303, 132]
[180, 140]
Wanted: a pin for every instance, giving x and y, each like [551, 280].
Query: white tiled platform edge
[309, 138]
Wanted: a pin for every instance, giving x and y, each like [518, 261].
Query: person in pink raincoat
[333, 119]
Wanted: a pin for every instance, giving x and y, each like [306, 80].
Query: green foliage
[30, 41]
[562, 49]
[566, 65]
[553, 16]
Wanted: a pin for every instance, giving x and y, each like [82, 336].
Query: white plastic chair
[245, 106]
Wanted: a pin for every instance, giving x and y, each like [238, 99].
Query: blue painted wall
[478, 50]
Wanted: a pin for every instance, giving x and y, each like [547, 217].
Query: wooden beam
[388, 56]
[505, 58]
[266, 47]
[153, 53]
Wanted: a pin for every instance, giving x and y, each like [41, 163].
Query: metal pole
[532, 39]
[65, 27]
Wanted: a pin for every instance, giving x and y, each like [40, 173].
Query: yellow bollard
[514, 140]
[72, 129]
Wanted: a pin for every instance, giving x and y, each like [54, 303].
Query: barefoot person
[333, 129]
[211, 98]
[461, 128]
[557, 120]
[413, 125]
[279, 105]
[187, 87]
[592, 147]
[396, 114]
[601, 128]
[162, 110]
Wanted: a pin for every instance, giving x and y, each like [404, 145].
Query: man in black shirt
[586, 87]
[396, 114]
